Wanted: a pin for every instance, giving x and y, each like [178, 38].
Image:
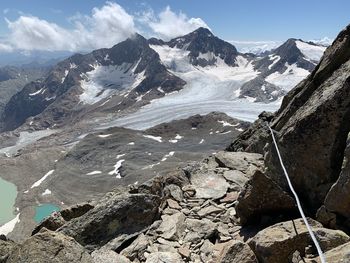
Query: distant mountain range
[188, 75]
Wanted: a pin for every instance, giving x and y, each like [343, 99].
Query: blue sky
[250, 20]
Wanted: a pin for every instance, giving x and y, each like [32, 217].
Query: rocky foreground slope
[233, 206]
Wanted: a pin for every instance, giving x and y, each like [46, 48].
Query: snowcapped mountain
[138, 82]
[106, 79]
[282, 68]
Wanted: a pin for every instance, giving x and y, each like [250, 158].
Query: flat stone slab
[209, 185]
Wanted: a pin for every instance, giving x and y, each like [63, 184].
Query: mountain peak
[203, 31]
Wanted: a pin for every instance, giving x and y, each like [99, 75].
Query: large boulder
[277, 243]
[241, 161]
[115, 215]
[234, 251]
[48, 246]
[262, 198]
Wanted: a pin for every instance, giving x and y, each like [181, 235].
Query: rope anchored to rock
[309, 228]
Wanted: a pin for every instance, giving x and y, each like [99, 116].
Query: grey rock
[174, 191]
[199, 229]
[76, 211]
[137, 248]
[53, 222]
[50, 247]
[164, 257]
[172, 226]
[236, 177]
[312, 127]
[263, 197]
[120, 214]
[239, 160]
[108, 256]
[208, 184]
[337, 202]
[209, 210]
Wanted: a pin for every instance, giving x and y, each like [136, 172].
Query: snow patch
[289, 78]
[155, 138]
[274, 59]
[9, 226]
[100, 82]
[37, 183]
[36, 92]
[116, 171]
[104, 135]
[46, 192]
[94, 173]
[225, 123]
[311, 52]
[170, 154]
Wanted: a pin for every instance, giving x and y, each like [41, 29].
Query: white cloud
[168, 24]
[105, 27]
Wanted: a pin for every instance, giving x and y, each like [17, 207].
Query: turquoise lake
[43, 211]
[8, 194]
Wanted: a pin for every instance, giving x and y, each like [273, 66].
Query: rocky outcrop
[120, 214]
[278, 243]
[49, 246]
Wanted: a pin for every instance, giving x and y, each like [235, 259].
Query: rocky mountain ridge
[135, 72]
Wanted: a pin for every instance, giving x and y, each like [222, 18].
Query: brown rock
[230, 197]
[173, 204]
[234, 252]
[277, 243]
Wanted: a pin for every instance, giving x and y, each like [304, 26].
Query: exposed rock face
[255, 137]
[337, 202]
[262, 198]
[277, 243]
[121, 214]
[313, 125]
[49, 247]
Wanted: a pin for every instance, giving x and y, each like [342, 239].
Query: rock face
[262, 198]
[337, 202]
[121, 214]
[49, 247]
[277, 243]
